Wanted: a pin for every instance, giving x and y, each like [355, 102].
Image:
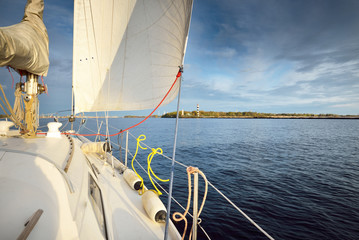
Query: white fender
[132, 179]
[154, 207]
[94, 147]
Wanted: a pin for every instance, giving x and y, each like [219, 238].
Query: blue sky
[242, 55]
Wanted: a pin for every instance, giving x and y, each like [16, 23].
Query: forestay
[127, 53]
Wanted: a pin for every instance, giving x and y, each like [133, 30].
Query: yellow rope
[139, 139]
[149, 169]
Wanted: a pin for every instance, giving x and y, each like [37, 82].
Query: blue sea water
[297, 178]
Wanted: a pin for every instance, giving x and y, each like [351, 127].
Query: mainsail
[127, 53]
[25, 46]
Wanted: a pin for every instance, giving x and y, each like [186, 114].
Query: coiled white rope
[228, 200]
[183, 208]
[222, 194]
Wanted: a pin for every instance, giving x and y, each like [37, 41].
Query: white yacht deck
[89, 201]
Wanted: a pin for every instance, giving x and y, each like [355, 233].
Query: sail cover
[25, 46]
[127, 52]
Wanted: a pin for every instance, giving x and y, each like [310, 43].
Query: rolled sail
[127, 53]
[25, 46]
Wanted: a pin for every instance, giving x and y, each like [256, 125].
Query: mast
[25, 48]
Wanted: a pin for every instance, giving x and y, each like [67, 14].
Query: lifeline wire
[144, 144]
[239, 210]
[172, 169]
[226, 198]
[104, 135]
[217, 190]
[204, 231]
[173, 160]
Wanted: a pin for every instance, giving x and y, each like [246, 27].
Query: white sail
[127, 53]
[25, 46]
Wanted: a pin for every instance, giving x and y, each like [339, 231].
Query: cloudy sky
[242, 55]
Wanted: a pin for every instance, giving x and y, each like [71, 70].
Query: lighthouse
[197, 110]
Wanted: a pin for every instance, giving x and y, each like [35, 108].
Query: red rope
[99, 134]
[43, 84]
[12, 86]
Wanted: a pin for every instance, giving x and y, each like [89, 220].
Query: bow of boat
[51, 189]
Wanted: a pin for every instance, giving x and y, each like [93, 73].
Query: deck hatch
[96, 201]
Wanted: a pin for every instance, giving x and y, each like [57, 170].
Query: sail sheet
[25, 46]
[127, 52]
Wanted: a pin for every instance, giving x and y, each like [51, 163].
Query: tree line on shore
[213, 114]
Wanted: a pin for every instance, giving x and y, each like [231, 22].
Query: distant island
[212, 114]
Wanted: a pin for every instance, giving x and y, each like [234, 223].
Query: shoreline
[274, 117]
[226, 117]
[257, 115]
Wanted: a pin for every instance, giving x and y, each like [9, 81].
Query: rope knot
[192, 170]
[157, 151]
[179, 216]
[140, 139]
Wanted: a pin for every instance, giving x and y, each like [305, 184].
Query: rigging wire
[89, 129]
[219, 192]
[216, 189]
[98, 128]
[163, 189]
[63, 127]
[179, 163]
[7, 105]
[173, 156]
[108, 139]
[82, 124]
[239, 210]
[185, 166]
[115, 134]
[120, 145]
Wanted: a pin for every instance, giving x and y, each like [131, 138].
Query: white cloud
[345, 105]
[222, 83]
[223, 53]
